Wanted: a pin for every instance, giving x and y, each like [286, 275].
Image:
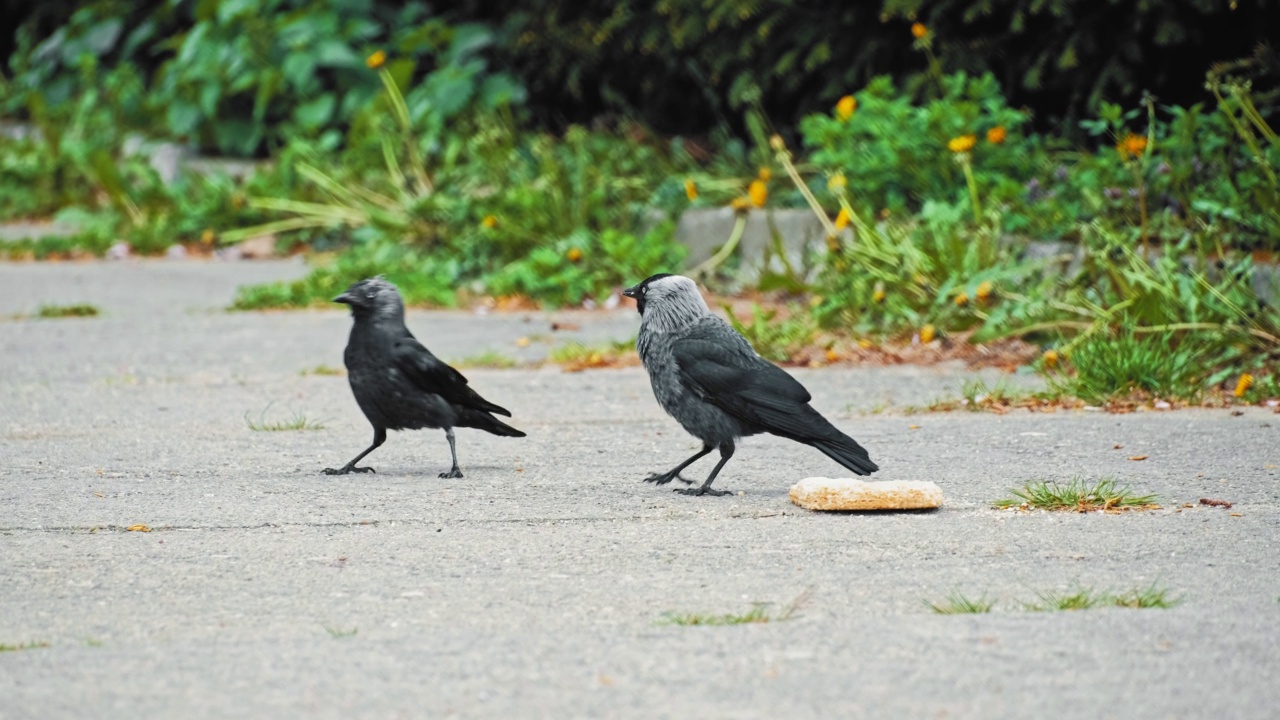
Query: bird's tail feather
[846, 451]
[481, 420]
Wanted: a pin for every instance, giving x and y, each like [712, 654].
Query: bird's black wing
[433, 375]
[744, 385]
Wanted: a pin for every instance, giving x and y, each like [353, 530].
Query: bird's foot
[348, 469]
[453, 473]
[703, 490]
[664, 478]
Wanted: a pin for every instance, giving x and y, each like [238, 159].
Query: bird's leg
[666, 477]
[455, 471]
[726, 452]
[379, 437]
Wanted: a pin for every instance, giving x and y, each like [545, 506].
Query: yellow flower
[996, 135]
[207, 236]
[764, 174]
[1243, 385]
[842, 219]
[1131, 145]
[985, 288]
[837, 182]
[962, 144]
[1050, 358]
[376, 60]
[832, 355]
[691, 189]
[928, 333]
[740, 203]
[758, 192]
[489, 221]
[574, 255]
[878, 295]
[777, 143]
[815, 301]
[919, 31]
[865, 344]
[961, 300]
[845, 107]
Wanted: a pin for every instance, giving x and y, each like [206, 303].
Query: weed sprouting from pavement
[486, 359]
[959, 604]
[323, 370]
[1076, 495]
[66, 311]
[1152, 596]
[758, 613]
[338, 633]
[299, 421]
[575, 357]
[32, 645]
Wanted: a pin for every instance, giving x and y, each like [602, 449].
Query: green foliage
[297, 421]
[65, 311]
[893, 150]
[1152, 596]
[957, 603]
[774, 339]
[1113, 367]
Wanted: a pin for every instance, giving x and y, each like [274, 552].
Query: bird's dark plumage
[399, 384]
[707, 376]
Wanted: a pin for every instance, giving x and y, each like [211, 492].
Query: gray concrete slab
[537, 586]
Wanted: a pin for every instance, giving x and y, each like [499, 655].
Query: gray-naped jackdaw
[399, 384]
[707, 377]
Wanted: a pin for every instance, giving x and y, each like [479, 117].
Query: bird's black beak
[631, 291]
[344, 298]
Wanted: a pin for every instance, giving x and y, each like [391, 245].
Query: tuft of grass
[323, 370]
[338, 633]
[66, 311]
[575, 357]
[1111, 368]
[759, 613]
[486, 359]
[33, 645]
[1076, 495]
[777, 339]
[1152, 596]
[299, 421]
[958, 604]
[977, 396]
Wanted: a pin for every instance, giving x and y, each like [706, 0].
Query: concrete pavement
[538, 585]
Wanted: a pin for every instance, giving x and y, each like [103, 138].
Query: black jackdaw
[399, 384]
[707, 377]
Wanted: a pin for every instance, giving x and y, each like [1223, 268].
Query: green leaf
[315, 113]
[182, 117]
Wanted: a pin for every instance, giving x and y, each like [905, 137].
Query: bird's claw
[701, 491]
[348, 469]
[454, 473]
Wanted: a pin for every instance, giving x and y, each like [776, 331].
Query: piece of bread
[820, 493]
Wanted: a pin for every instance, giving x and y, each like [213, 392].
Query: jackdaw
[707, 377]
[399, 384]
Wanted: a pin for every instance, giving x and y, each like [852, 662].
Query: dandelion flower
[832, 355]
[777, 143]
[928, 333]
[985, 288]
[1050, 358]
[815, 301]
[879, 294]
[962, 144]
[489, 221]
[865, 344]
[574, 255]
[376, 60]
[740, 203]
[837, 182]
[996, 135]
[1132, 145]
[1243, 385]
[961, 300]
[842, 219]
[758, 192]
[691, 190]
[919, 31]
[207, 236]
[845, 107]
[764, 174]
